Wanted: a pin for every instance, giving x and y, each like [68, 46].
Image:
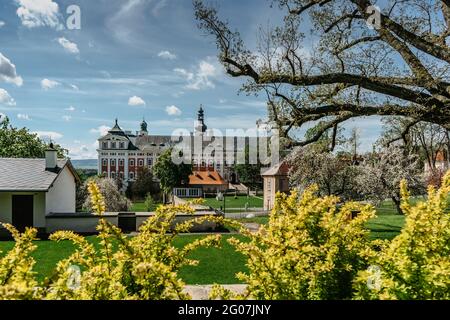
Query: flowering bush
[120, 267]
[114, 200]
[416, 264]
[311, 249]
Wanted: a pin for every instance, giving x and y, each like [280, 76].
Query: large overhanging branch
[423, 96]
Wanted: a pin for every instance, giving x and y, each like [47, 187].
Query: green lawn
[231, 202]
[140, 207]
[217, 265]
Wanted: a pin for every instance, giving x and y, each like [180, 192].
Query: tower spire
[201, 126]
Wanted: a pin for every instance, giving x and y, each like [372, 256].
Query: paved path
[202, 292]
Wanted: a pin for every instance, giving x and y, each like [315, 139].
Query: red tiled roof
[206, 178]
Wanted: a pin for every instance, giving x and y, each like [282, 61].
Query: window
[105, 162]
[141, 162]
[203, 163]
[121, 175]
[105, 145]
[150, 162]
[113, 162]
[113, 145]
[122, 145]
[113, 175]
[105, 174]
[132, 175]
[132, 162]
[121, 162]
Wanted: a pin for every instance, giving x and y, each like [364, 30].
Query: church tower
[200, 126]
[144, 131]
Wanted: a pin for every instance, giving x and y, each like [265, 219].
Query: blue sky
[130, 59]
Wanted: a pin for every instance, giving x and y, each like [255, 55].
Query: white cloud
[173, 111]
[167, 55]
[67, 118]
[136, 101]
[2, 24]
[71, 109]
[48, 135]
[47, 84]
[5, 98]
[70, 47]
[74, 87]
[81, 151]
[102, 130]
[23, 116]
[8, 71]
[39, 13]
[201, 77]
[184, 73]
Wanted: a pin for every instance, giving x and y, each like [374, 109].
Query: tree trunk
[397, 204]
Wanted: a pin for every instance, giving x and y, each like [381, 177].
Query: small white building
[31, 189]
[276, 180]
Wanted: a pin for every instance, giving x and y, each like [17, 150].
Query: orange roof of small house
[206, 178]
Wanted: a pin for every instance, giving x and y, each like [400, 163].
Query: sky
[130, 59]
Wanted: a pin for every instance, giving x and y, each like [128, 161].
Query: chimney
[51, 158]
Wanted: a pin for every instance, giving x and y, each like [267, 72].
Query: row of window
[113, 145]
[140, 162]
[131, 175]
[132, 162]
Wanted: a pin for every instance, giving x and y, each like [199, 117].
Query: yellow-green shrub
[415, 264]
[119, 267]
[311, 249]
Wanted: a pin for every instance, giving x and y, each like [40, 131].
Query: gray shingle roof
[26, 174]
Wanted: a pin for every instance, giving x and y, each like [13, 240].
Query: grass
[231, 202]
[140, 207]
[217, 265]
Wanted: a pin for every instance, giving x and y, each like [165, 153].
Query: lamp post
[222, 197]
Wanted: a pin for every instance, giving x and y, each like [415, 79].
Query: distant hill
[85, 164]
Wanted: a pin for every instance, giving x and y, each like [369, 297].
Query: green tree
[21, 143]
[144, 183]
[149, 203]
[170, 174]
[249, 174]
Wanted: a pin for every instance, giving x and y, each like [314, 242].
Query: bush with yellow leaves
[415, 264]
[311, 249]
[119, 267]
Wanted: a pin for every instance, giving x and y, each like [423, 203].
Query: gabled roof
[206, 178]
[29, 174]
[280, 169]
